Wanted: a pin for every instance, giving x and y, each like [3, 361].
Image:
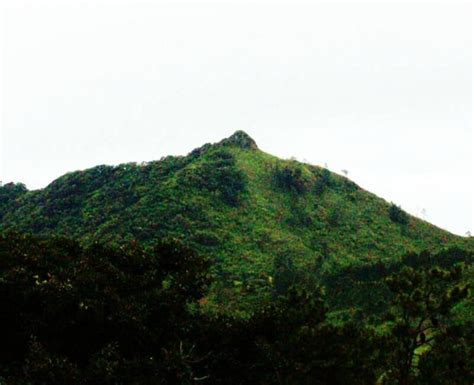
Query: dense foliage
[70, 313]
[227, 266]
[421, 316]
[218, 175]
[238, 206]
[271, 272]
[9, 193]
[370, 294]
[125, 315]
[397, 214]
[291, 178]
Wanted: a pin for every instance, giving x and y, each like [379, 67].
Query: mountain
[259, 218]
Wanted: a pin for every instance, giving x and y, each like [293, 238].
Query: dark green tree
[397, 215]
[421, 313]
[8, 194]
[451, 358]
[323, 181]
[290, 178]
[298, 346]
[284, 273]
[98, 314]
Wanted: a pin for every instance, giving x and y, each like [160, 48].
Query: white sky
[382, 90]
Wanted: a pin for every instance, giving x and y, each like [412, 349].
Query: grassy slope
[322, 231]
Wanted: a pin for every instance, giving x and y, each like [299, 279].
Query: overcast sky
[384, 91]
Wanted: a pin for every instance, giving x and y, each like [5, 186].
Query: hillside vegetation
[263, 221]
[228, 266]
[125, 315]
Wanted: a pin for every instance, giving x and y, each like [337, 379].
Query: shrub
[217, 174]
[323, 181]
[397, 215]
[9, 193]
[291, 179]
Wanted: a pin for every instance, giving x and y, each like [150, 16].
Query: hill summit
[240, 139]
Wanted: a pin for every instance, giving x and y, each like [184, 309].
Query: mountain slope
[254, 214]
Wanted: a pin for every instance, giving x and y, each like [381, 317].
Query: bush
[397, 215]
[218, 174]
[9, 193]
[323, 181]
[291, 179]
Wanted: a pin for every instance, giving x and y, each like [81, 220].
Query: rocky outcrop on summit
[240, 139]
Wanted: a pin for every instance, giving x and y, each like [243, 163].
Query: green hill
[262, 220]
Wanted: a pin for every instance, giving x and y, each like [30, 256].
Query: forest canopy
[101, 314]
